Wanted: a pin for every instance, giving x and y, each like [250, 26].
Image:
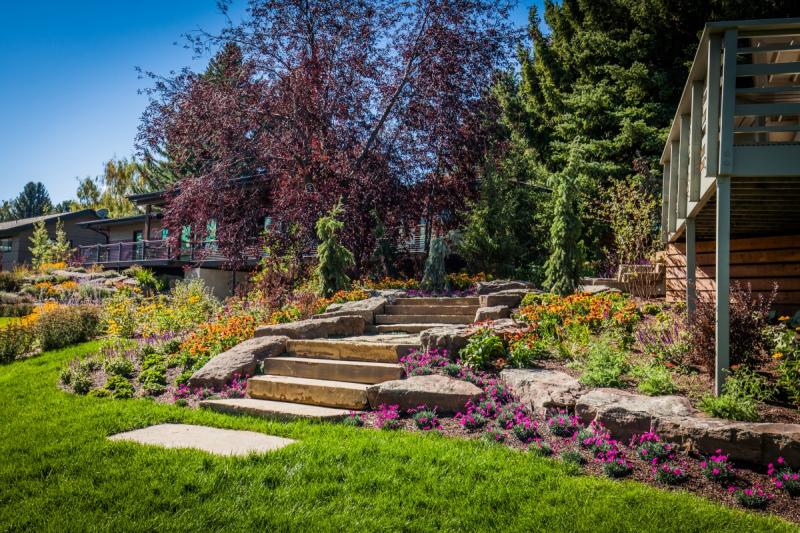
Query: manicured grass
[4, 320]
[58, 472]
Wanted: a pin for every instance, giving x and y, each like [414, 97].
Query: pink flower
[780, 460]
[779, 484]
[715, 471]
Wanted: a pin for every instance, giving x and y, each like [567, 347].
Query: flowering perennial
[388, 417]
[717, 468]
[784, 478]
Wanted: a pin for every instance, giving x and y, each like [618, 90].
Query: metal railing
[147, 251]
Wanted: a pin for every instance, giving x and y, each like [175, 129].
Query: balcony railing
[160, 251]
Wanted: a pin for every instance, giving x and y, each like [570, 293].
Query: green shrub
[153, 376]
[16, 339]
[482, 349]
[650, 308]
[434, 278]
[148, 281]
[744, 391]
[16, 310]
[334, 258]
[525, 351]
[119, 387]
[9, 282]
[534, 298]
[65, 376]
[654, 380]
[730, 407]
[81, 383]
[119, 366]
[604, 366]
[66, 325]
[789, 378]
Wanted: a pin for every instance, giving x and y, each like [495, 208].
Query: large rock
[367, 309]
[755, 442]
[450, 338]
[242, 359]
[509, 297]
[492, 313]
[316, 328]
[542, 389]
[489, 287]
[626, 413]
[448, 395]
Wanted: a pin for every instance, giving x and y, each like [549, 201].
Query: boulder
[489, 287]
[448, 395]
[754, 442]
[626, 413]
[316, 328]
[495, 312]
[451, 338]
[509, 298]
[367, 309]
[542, 389]
[242, 359]
[597, 289]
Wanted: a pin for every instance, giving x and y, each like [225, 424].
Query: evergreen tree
[563, 267]
[41, 247]
[334, 259]
[60, 249]
[435, 277]
[33, 201]
[6, 212]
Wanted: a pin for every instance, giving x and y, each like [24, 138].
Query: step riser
[467, 310]
[399, 328]
[468, 300]
[348, 352]
[337, 372]
[423, 319]
[326, 396]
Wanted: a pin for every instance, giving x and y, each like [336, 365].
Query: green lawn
[4, 320]
[58, 472]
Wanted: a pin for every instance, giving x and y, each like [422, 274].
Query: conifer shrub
[334, 258]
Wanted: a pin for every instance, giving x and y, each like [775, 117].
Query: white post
[691, 266]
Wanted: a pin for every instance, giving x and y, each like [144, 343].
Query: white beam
[728, 104]
[723, 326]
[695, 141]
[712, 105]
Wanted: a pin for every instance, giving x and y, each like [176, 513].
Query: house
[15, 235]
[731, 182]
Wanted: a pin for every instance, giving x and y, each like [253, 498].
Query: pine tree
[33, 201]
[435, 277]
[41, 247]
[563, 267]
[334, 259]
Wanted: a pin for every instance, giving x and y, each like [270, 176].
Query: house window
[5, 245]
[164, 234]
[211, 231]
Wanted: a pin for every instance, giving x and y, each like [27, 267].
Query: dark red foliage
[379, 102]
[749, 314]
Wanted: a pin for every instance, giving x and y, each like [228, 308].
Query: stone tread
[351, 350]
[422, 319]
[463, 300]
[274, 410]
[332, 369]
[431, 310]
[326, 393]
[407, 328]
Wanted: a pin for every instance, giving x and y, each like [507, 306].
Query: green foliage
[119, 387]
[604, 365]
[147, 279]
[526, 351]
[744, 391]
[33, 201]
[60, 249]
[631, 212]
[435, 276]
[9, 282]
[482, 349]
[505, 230]
[41, 245]
[654, 379]
[16, 339]
[334, 258]
[564, 266]
[119, 366]
[66, 325]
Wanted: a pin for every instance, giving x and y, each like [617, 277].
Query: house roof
[118, 221]
[13, 227]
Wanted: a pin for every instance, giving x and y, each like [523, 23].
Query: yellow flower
[777, 355]
[784, 318]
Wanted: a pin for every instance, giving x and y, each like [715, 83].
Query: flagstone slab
[213, 440]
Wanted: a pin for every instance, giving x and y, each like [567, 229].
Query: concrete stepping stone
[213, 440]
[274, 410]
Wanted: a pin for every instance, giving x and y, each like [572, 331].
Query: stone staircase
[412, 315]
[328, 378]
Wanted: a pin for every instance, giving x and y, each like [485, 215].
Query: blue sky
[68, 83]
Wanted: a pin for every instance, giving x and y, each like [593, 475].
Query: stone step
[331, 369]
[431, 310]
[462, 300]
[423, 319]
[400, 328]
[344, 350]
[274, 410]
[325, 393]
